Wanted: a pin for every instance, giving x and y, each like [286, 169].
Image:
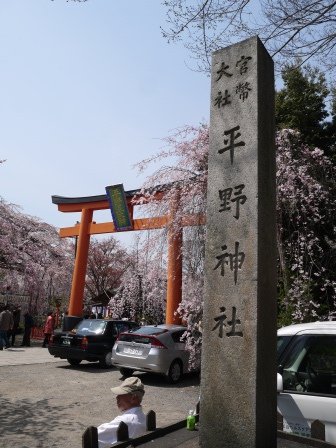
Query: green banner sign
[118, 205]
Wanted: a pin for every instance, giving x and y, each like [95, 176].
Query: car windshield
[90, 326]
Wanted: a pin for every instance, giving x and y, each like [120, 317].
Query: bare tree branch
[290, 29]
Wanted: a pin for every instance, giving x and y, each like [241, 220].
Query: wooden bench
[90, 436]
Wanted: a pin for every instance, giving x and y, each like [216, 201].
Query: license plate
[66, 342]
[132, 351]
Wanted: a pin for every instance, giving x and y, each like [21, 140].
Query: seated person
[129, 396]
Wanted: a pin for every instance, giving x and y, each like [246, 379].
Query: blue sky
[87, 90]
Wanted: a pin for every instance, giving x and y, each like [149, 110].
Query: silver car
[152, 348]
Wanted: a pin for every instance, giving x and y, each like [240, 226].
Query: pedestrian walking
[28, 325]
[16, 322]
[6, 324]
[48, 328]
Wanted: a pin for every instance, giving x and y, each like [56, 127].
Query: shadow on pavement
[90, 367]
[15, 349]
[31, 421]
[150, 379]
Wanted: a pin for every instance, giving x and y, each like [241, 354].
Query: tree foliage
[302, 105]
[34, 261]
[289, 29]
[141, 294]
[184, 170]
[306, 226]
[107, 262]
[306, 230]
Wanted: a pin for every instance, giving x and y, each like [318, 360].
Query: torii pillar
[174, 274]
[79, 274]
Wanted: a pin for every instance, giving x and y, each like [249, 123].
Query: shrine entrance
[87, 227]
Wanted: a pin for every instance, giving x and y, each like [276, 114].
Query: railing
[37, 333]
[90, 436]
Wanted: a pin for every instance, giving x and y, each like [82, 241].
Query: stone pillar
[238, 383]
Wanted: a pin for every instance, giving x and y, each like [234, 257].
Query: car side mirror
[279, 383]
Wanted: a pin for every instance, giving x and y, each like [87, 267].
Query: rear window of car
[90, 326]
[130, 337]
[122, 327]
[150, 331]
[142, 335]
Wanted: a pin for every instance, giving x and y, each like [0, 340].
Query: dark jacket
[6, 320]
[29, 321]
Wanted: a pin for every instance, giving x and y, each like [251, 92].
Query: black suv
[90, 340]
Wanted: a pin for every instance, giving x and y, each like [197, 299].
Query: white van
[306, 381]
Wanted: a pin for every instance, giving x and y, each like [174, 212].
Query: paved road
[45, 403]
[15, 356]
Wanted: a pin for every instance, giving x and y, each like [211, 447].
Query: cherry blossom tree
[183, 177]
[141, 295]
[107, 262]
[34, 261]
[306, 230]
[306, 223]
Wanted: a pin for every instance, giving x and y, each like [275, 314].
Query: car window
[310, 367]
[150, 330]
[282, 343]
[131, 337]
[90, 326]
[177, 335]
[142, 335]
[121, 327]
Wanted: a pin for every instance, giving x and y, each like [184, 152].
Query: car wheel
[74, 362]
[175, 372]
[106, 362]
[126, 372]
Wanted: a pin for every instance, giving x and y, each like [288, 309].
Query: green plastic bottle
[191, 420]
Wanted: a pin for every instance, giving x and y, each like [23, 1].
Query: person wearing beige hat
[129, 397]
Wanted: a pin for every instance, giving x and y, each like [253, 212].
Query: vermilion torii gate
[87, 227]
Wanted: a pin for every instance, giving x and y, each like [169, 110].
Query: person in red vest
[48, 328]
